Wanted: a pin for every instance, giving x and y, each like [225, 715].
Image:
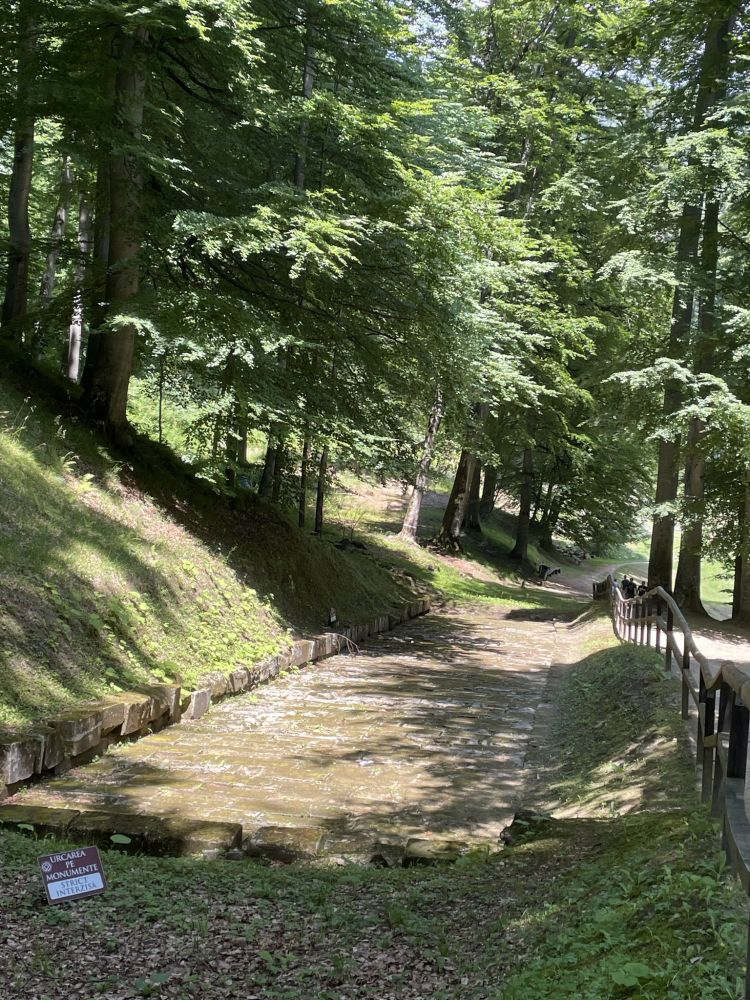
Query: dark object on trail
[546, 572]
[642, 589]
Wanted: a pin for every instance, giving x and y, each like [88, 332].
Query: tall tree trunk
[688, 581]
[546, 525]
[321, 495]
[278, 472]
[713, 72]
[473, 516]
[162, 380]
[16, 301]
[687, 588]
[550, 524]
[489, 489]
[241, 421]
[411, 519]
[743, 613]
[449, 535]
[737, 587]
[537, 505]
[97, 306]
[265, 487]
[107, 396]
[521, 547]
[72, 362]
[49, 277]
[57, 232]
[302, 518]
[233, 445]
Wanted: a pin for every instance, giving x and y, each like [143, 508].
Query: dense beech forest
[510, 234]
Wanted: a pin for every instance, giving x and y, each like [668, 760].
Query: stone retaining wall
[78, 735]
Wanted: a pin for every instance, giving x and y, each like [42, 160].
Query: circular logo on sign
[46, 867]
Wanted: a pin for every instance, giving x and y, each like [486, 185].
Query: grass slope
[114, 574]
[623, 895]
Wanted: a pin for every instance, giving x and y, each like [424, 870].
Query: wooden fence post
[725, 695]
[658, 627]
[685, 677]
[670, 629]
[642, 608]
[706, 724]
[737, 753]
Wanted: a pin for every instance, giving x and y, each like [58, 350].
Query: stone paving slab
[422, 735]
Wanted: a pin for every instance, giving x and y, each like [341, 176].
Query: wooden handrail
[723, 740]
[661, 594]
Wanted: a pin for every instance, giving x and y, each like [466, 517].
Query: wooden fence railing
[656, 620]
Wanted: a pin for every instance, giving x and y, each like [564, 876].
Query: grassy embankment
[115, 572]
[624, 894]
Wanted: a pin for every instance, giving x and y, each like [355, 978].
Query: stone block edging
[79, 734]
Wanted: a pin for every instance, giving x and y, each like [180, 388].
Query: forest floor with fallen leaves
[611, 884]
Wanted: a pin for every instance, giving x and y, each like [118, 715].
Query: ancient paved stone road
[421, 735]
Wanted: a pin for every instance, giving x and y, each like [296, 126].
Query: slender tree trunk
[687, 588]
[321, 496]
[449, 535]
[714, 69]
[489, 490]
[737, 587]
[162, 375]
[269, 469]
[49, 278]
[107, 395]
[303, 479]
[411, 520]
[234, 446]
[546, 525]
[278, 472]
[72, 361]
[16, 301]
[97, 307]
[688, 581]
[537, 505]
[549, 522]
[57, 233]
[473, 516]
[242, 421]
[667, 476]
[743, 614]
[521, 547]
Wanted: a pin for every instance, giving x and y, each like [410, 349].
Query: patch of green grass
[651, 911]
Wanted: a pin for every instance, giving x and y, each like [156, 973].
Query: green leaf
[632, 973]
